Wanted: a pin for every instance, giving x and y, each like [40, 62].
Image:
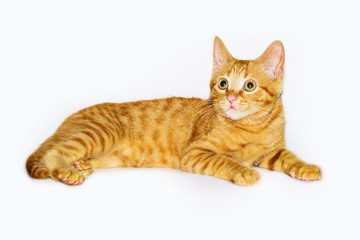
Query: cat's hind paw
[83, 166]
[68, 176]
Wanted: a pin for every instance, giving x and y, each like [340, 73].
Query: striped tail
[35, 168]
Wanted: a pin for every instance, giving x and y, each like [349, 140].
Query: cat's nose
[231, 98]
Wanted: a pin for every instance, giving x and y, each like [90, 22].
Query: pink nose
[231, 98]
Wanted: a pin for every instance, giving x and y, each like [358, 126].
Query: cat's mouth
[238, 109]
[235, 112]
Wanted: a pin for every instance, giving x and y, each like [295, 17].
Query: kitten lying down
[240, 126]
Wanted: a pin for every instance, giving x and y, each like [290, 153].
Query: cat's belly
[141, 155]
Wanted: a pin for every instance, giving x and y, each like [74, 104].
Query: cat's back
[174, 110]
[168, 119]
[160, 110]
[137, 118]
[156, 117]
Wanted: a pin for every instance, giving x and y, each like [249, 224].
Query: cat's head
[242, 87]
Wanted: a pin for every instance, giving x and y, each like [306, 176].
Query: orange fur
[222, 136]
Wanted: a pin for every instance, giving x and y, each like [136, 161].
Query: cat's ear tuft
[273, 60]
[221, 55]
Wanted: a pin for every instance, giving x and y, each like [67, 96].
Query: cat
[240, 126]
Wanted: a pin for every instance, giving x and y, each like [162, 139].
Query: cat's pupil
[223, 83]
[250, 85]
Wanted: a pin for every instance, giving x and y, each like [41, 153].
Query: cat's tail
[35, 167]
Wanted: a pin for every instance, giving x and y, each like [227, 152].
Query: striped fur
[191, 134]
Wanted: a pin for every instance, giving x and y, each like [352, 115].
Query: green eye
[223, 84]
[249, 85]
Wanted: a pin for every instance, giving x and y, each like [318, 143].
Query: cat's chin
[235, 115]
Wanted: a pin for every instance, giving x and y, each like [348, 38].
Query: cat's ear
[221, 55]
[273, 59]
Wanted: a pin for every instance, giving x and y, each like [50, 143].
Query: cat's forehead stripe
[239, 66]
[238, 74]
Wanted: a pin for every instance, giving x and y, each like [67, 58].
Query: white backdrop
[57, 57]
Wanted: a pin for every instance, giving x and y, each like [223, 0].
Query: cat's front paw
[305, 172]
[246, 177]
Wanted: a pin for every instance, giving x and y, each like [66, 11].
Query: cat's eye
[250, 85]
[223, 84]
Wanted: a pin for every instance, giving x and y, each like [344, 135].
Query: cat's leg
[67, 167]
[62, 161]
[87, 134]
[220, 166]
[285, 161]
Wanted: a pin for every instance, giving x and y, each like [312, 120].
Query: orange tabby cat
[241, 125]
